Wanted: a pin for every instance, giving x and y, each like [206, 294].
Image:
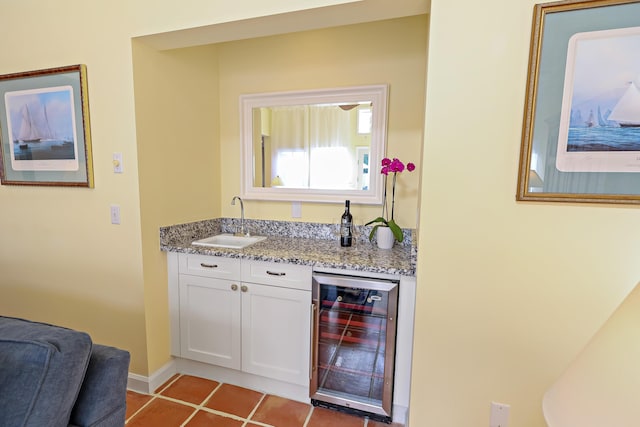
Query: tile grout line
[178, 401]
[177, 377]
[196, 407]
[306, 422]
[204, 408]
[153, 397]
[228, 415]
[190, 417]
[140, 409]
[253, 411]
[201, 406]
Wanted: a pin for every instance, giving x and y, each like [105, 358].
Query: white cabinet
[245, 315]
[209, 309]
[210, 320]
[276, 321]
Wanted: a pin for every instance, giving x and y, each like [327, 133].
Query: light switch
[117, 163]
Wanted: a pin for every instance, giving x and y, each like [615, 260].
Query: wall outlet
[296, 209]
[499, 415]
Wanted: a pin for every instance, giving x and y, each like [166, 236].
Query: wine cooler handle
[312, 341]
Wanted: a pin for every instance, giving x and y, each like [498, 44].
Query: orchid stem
[384, 198]
[393, 195]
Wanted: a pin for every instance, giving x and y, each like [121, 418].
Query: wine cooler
[353, 355]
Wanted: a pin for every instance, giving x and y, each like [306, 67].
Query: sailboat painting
[41, 127]
[600, 116]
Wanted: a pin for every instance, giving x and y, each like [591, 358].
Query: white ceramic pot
[385, 238]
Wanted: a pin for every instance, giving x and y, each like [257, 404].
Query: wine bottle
[346, 226]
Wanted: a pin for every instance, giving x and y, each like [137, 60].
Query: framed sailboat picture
[45, 132]
[581, 132]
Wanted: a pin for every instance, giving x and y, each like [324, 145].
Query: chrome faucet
[242, 232]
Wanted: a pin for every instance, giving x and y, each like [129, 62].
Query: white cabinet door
[210, 320]
[276, 332]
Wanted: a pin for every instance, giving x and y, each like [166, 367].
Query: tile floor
[197, 402]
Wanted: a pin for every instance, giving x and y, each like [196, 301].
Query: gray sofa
[52, 376]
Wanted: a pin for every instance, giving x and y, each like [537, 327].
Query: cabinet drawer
[209, 266]
[277, 274]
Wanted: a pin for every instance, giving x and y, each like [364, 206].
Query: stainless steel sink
[228, 240]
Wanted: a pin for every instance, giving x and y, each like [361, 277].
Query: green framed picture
[45, 131]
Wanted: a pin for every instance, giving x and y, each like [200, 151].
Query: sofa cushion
[41, 370]
[103, 397]
[23, 366]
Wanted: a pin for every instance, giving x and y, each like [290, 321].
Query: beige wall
[508, 293]
[176, 96]
[601, 386]
[392, 52]
[61, 260]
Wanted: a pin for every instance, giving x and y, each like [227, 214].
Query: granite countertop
[310, 244]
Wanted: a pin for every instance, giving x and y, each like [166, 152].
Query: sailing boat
[627, 110]
[33, 130]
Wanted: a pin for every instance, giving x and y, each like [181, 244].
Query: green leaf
[373, 232]
[396, 230]
[380, 222]
[379, 219]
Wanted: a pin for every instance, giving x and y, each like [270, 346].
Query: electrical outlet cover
[499, 415]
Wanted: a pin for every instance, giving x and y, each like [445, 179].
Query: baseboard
[148, 385]
[262, 384]
[400, 415]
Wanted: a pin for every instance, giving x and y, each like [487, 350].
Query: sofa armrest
[102, 398]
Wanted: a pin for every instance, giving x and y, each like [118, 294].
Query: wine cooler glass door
[354, 348]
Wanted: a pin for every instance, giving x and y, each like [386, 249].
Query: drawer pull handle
[243, 288]
[275, 273]
[234, 287]
[203, 265]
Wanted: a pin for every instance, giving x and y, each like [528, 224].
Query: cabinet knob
[243, 288]
[234, 287]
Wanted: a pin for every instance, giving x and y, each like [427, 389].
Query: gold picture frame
[45, 131]
[575, 147]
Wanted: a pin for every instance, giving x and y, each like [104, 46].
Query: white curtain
[305, 140]
[290, 145]
[330, 126]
